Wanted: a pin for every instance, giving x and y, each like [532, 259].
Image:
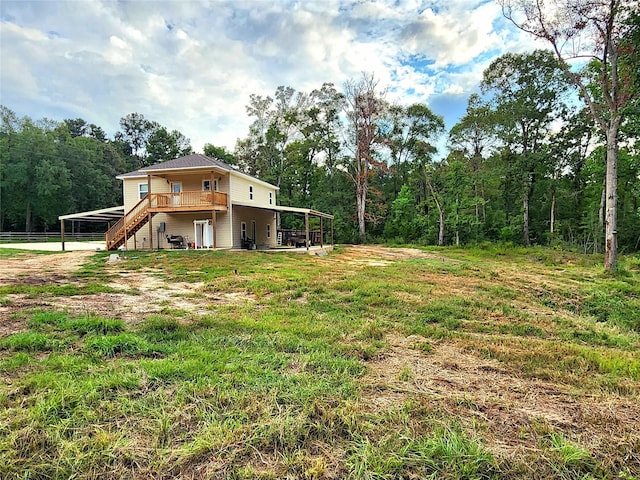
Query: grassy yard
[367, 363]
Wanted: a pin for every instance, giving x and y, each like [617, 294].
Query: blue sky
[191, 66]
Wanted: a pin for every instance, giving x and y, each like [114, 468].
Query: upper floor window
[270, 198]
[143, 189]
[206, 185]
[250, 192]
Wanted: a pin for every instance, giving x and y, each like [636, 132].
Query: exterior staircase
[129, 224]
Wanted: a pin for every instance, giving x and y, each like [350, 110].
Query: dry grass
[371, 362]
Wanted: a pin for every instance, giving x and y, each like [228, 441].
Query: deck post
[306, 229]
[149, 212]
[213, 224]
[62, 233]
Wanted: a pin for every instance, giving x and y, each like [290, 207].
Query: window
[206, 185]
[143, 189]
[268, 230]
[270, 198]
[243, 230]
[250, 192]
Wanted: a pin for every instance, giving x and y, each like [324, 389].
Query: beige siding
[224, 237]
[181, 224]
[262, 218]
[240, 192]
[130, 189]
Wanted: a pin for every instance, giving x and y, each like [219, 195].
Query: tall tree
[162, 145]
[527, 98]
[599, 30]
[220, 153]
[366, 107]
[409, 130]
[473, 136]
[135, 131]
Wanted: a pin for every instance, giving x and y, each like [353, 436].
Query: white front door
[176, 188]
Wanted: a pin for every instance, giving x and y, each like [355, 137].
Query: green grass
[56, 290]
[329, 370]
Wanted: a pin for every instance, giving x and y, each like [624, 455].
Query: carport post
[306, 228]
[321, 234]
[150, 222]
[62, 233]
[332, 231]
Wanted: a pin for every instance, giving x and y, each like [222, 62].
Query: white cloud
[191, 65]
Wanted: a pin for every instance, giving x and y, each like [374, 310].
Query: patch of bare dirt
[473, 389]
[378, 256]
[136, 295]
[34, 269]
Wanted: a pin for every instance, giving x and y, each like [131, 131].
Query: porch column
[306, 229]
[212, 190]
[62, 233]
[213, 224]
[149, 212]
[321, 234]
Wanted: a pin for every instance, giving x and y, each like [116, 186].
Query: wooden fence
[8, 237]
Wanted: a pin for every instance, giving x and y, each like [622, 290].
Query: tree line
[528, 163]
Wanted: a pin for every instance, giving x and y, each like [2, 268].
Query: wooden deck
[154, 203]
[188, 202]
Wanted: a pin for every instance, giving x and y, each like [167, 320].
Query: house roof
[195, 161]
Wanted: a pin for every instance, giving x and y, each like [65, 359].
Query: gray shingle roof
[194, 160]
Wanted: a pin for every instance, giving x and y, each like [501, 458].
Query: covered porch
[301, 237]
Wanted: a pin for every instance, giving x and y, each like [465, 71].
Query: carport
[107, 215]
[307, 212]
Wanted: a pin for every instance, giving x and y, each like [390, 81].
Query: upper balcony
[188, 201]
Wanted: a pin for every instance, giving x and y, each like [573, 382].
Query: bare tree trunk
[484, 208]
[440, 213]
[552, 220]
[475, 191]
[361, 202]
[598, 234]
[525, 212]
[366, 106]
[611, 204]
[458, 221]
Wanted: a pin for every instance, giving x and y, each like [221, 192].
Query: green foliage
[123, 343]
[27, 341]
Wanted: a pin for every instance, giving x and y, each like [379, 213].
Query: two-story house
[198, 202]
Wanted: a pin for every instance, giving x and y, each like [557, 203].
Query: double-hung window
[143, 189]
